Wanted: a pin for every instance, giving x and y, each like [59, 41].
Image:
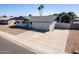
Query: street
[7, 47]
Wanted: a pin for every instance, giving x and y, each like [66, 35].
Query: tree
[59, 15]
[55, 14]
[65, 18]
[11, 16]
[69, 15]
[40, 8]
[72, 14]
[30, 15]
[4, 16]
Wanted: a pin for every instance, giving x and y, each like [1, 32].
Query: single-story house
[41, 22]
[19, 21]
[76, 20]
[4, 20]
[12, 21]
[36, 22]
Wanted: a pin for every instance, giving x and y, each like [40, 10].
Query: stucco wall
[19, 24]
[62, 25]
[42, 26]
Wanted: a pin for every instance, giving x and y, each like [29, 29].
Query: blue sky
[26, 9]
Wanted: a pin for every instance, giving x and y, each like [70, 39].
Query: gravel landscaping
[14, 31]
[72, 45]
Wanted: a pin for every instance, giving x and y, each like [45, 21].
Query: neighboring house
[76, 20]
[19, 21]
[4, 20]
[12, 21]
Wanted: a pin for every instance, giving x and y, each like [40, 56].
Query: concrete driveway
[44, 43]
[49, 42]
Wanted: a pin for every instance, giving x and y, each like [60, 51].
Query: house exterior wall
[41, 26]
[14, 23]
[20, 23]
[11, 22]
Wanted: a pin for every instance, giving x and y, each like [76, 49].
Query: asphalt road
[7, 47]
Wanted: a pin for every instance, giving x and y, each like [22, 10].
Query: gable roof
[18, 18]
[22, 18]
[13, 18]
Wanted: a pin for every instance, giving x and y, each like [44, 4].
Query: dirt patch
[72, 45]
[14, 31]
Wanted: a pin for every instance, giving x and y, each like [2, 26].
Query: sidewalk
[31, 45]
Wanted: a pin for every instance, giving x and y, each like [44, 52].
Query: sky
[26, 9]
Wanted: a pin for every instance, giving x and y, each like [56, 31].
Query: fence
[56, 25]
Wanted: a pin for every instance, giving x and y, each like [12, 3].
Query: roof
[13, 18]
[22, 18]
[41, 18]
[5, 18]
[18, 18]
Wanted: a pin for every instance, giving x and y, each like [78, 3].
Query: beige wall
[62, 25]
[42, 26]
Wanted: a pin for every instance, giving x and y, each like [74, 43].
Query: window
[23, 22]
[17, 22]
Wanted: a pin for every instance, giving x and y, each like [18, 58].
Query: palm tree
[40, 8]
